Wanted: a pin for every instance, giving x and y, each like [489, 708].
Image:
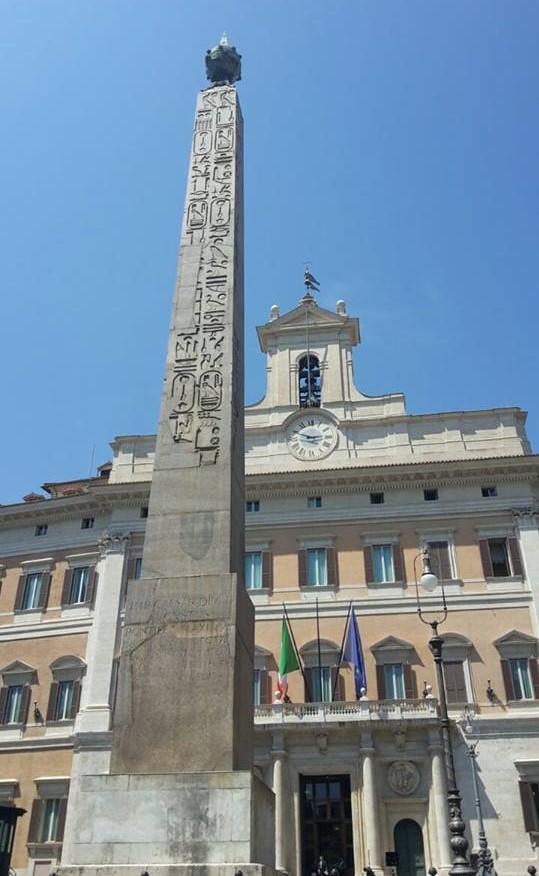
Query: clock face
[311, 437]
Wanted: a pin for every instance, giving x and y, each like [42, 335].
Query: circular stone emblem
[403, 777]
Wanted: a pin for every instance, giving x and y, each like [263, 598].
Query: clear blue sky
[392, 144]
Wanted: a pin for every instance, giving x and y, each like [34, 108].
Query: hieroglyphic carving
[196, 389]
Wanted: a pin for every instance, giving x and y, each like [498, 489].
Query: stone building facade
[342, 492]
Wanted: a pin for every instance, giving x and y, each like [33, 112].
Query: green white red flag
[288, 660]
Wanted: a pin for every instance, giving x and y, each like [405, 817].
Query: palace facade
[343, 491]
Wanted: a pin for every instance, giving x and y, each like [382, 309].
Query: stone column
[438, 802]
[370, 804]
[279, 755]
[526, 522]
[95, 711]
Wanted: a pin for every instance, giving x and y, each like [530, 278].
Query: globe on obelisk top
[223, 63]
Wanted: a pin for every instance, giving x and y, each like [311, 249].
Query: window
[377, 498]
[317, 570]
[144, 511]
[382, 555]
[394, 681]
[137, 568]
[261, 688]
[252, 505]
[384, 563]
[489, 492]
[455, 681]
[314, 502]
[253, 570]
[430, 495]
[440, 558]
[65, 689]
[79, 585]
[309, 382]
[32, 591]
[529, 797]
[321, 684]
[500, 557]
[41, 529]
[520, 677]
[48, 813]
[16, 692]
[394, 674]
[87, 523]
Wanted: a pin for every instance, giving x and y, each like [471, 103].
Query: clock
[311, 437]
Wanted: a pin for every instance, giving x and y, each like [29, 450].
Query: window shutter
[75, 701]
[66, 589]
[267, 569]
[528, 807]
[485, 557]
[92, 585]
[302, 565]
[534, 673]
[53, 699]
[514, 553]
[35, 821]
[410, 686]
[398, 563]
[381, 683]
[308, 684]
[62, 809]
[337, 685]
[44, 593]
[367, 559]
[265, 688]
[507, 680]
[3, 700]
[439, 550]
[20, 593]
[25, 703]
[331, 560]
[131, 567]
[455, 684]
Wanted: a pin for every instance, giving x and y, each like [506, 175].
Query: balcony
[364, 712]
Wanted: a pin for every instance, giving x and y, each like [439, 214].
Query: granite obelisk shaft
[184, 699]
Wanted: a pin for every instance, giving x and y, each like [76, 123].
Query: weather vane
[310, 282]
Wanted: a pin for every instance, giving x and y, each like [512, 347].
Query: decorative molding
[403, 777]
[113, 543]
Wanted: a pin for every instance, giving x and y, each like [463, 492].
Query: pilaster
[526, 521]
[370, 804]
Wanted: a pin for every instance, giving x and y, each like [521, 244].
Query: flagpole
[291, 631]
[339, 664]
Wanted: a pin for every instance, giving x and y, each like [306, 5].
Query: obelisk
[184, 700]
[177, 796]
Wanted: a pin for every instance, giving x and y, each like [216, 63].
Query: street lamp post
[484, 855]
[459, 844]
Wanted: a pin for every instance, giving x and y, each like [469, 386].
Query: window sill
[325, 592]
[77, 609]
[260, 595]
[45, 850]
[387, 588]
[28, 615]
[522, 704]
[512, 582]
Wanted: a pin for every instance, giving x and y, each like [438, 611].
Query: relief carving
[183, 391]
[196, 214]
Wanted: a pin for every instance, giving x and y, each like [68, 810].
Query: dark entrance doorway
[409, 848]
[326, 823]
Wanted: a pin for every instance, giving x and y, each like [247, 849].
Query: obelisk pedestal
[180, 793]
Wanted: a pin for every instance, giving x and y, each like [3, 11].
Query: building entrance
[409, 848]
[326, 823]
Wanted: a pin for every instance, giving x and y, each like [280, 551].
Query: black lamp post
[484, 855]
[459, 844]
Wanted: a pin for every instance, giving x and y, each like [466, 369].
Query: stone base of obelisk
[192, 823]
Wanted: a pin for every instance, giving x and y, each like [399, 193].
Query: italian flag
[288, 661]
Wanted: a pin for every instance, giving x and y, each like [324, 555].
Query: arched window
[309, 384]
[323, 682]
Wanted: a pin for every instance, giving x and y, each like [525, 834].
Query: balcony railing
[364, 710]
